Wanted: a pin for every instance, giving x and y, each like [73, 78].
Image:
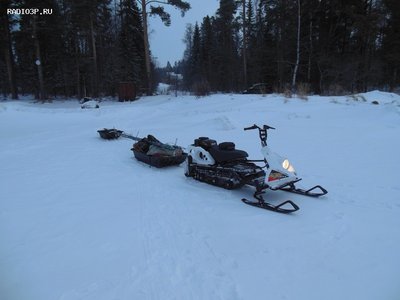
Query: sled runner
[149, 150]
[224, 166]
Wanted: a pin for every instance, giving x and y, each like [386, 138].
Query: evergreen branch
[182, 5]
[159, 11]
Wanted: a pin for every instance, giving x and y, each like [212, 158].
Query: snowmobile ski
[276, 208]
[291, 188]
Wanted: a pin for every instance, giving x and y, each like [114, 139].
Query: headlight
[286, 164]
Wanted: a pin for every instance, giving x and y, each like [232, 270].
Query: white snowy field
[80, 218]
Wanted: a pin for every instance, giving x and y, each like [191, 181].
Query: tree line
[87, 47]
[316, 46]
[82, 48]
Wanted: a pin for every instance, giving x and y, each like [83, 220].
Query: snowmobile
[224, 166]
[148, 149]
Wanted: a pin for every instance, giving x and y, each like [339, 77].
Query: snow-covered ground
[80, 218]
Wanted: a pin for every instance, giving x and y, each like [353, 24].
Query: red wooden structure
[127, 91]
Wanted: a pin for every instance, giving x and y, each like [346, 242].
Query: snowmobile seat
[226, 152]
[226, 146]
[205, 143]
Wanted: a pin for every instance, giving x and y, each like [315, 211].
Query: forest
[87, 47]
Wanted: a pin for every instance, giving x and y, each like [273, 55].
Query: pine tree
[107, 48]
[195, 62]
[207, 51]
[38, 47]
[226, 52]
[6, 50]
[266, 58]
[131, 53]
[251, 41]
[391, 43]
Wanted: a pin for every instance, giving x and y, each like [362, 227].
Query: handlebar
[251, 127]
[262, 132]
[265, 127]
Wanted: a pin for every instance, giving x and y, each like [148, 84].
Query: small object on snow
[85, 99]
[224, 166]
[259, 88]
[89, 103]
[109, 134]
[375, 102]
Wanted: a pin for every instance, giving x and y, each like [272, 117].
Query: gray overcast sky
[166, 42]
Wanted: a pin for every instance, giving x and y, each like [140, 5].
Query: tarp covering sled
[149, 149]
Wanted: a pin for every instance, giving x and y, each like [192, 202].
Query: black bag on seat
[205, 142]
[227, 146]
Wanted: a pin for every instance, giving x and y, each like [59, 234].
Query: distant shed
[127, 91]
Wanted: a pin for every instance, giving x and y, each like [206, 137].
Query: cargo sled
[149, 149]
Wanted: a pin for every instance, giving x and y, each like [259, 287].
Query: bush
[357, 97]
[336, 90]
[303, 90]
[287, 91]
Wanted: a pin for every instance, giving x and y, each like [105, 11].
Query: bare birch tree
[296, 66]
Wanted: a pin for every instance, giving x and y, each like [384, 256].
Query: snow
[163, 88]
[80, 218]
